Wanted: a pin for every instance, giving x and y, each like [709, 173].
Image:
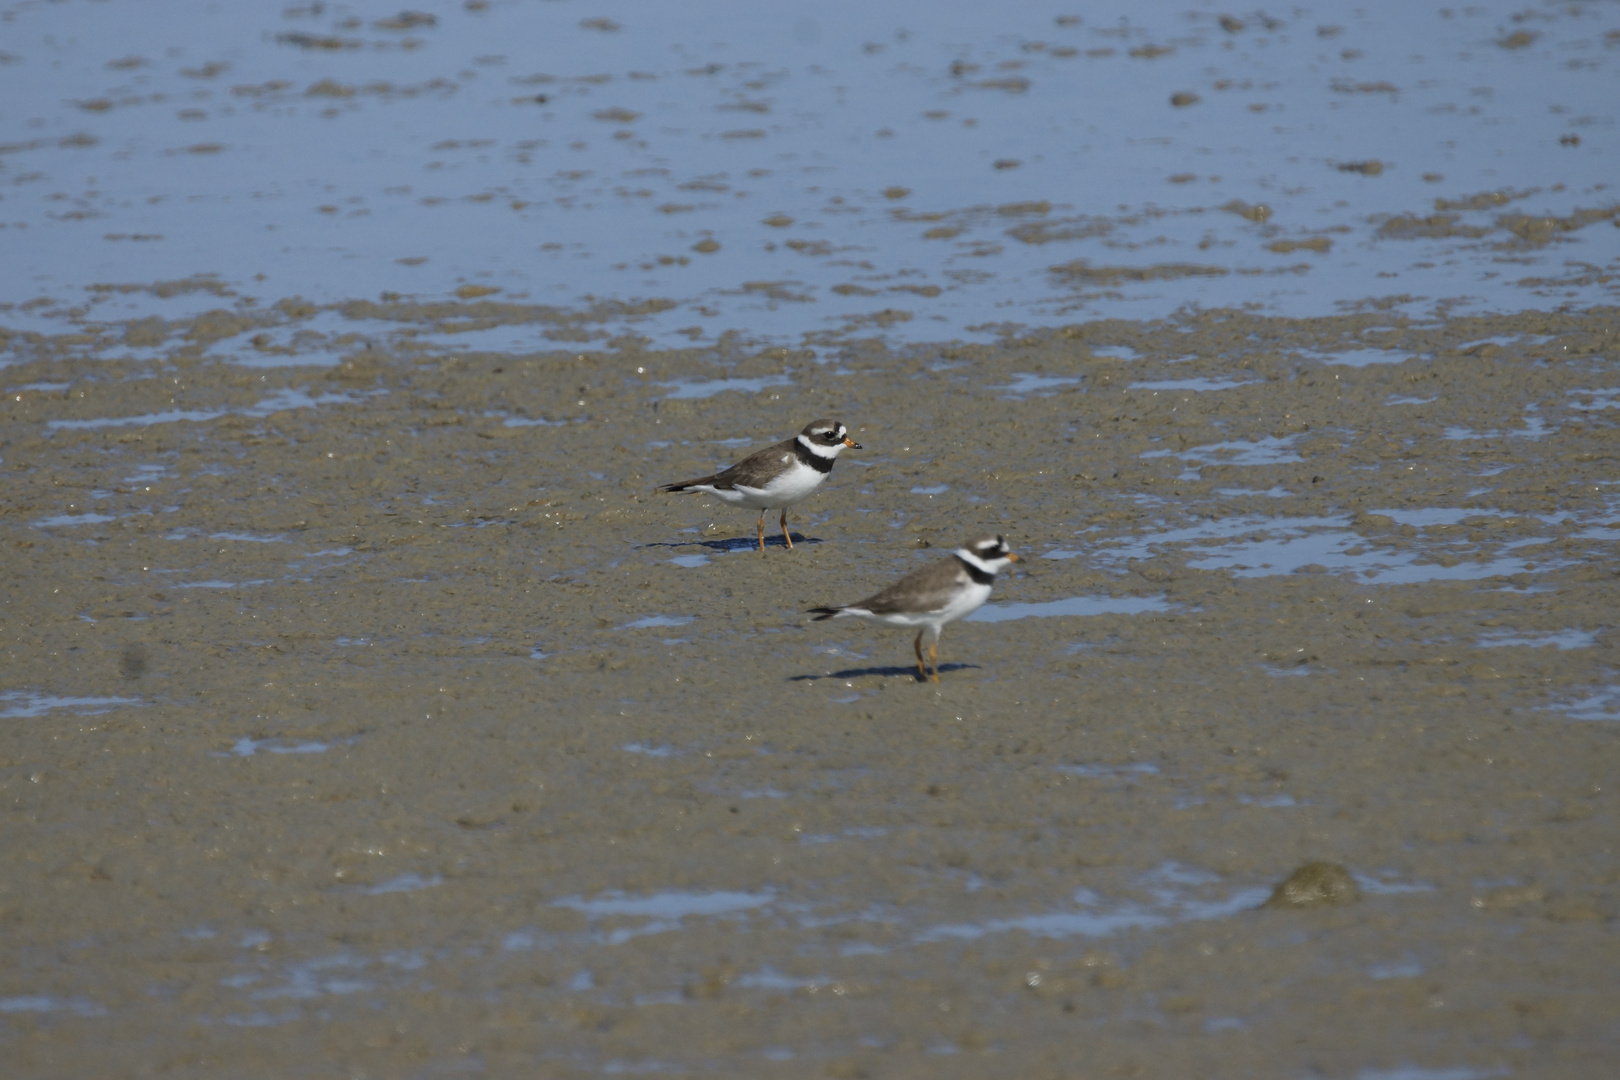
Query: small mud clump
[1316, 884]
[133, 661]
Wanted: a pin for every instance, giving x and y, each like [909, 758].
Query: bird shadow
[889, 672]
[736, 543]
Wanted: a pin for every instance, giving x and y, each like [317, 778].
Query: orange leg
[922, 673]
[761, 529]
[785, 535]
[933, 657]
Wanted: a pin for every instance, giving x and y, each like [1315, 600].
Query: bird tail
[685, 484]
[822, 613]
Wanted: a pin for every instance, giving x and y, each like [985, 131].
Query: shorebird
[779, 475]
[939, 593]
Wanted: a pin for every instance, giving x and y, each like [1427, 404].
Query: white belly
[790, 487]
[966, 603]
[969, 600]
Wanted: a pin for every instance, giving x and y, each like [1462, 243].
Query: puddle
[768, 978]
[662, 911]
[1342, 551]
[1074, 605]
[1270, 450]
[1383, 885]
[692, 389]
[246, 747]
[936, 489]
[1604, 704]
[650, 751]
[1535, 428]
[221, 584]
[324, 358]
[172, 416]
[1268, 802]
[65, 520]
[283, 400]
[1414, 1072]
[1110, 772]
[658, 620]
[307, 980]
[1256, 546]
[1597, 399]
[22, 703]
[43, 1004]
[1407, 970]
[147, 474]
[1505, 341]
[1270, 493]
[689, 561]
[667, 905]
[1360, 357]
[277, 402]
[1217, 1024]
[859, 832]
[1562, 639]
[1428, 516]
[403, 883]
[1030, 384]
[1175, 901]
[1192, 384]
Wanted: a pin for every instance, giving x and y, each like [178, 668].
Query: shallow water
[343, 727]
[1078, 606]
[24, 703]
[916, 169]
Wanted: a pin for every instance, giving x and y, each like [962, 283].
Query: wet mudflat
[379, 719]
[365, 712]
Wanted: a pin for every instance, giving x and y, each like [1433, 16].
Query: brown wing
[753, 471]
[928, 589]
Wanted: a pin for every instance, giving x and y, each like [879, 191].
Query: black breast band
[809, 457]
[979, 576]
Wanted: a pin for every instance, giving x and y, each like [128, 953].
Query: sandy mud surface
[380, 720]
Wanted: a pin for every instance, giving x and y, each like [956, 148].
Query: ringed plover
[939, 593]
[778, 476]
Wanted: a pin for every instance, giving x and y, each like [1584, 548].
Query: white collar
[993, 567]
[819, 451]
